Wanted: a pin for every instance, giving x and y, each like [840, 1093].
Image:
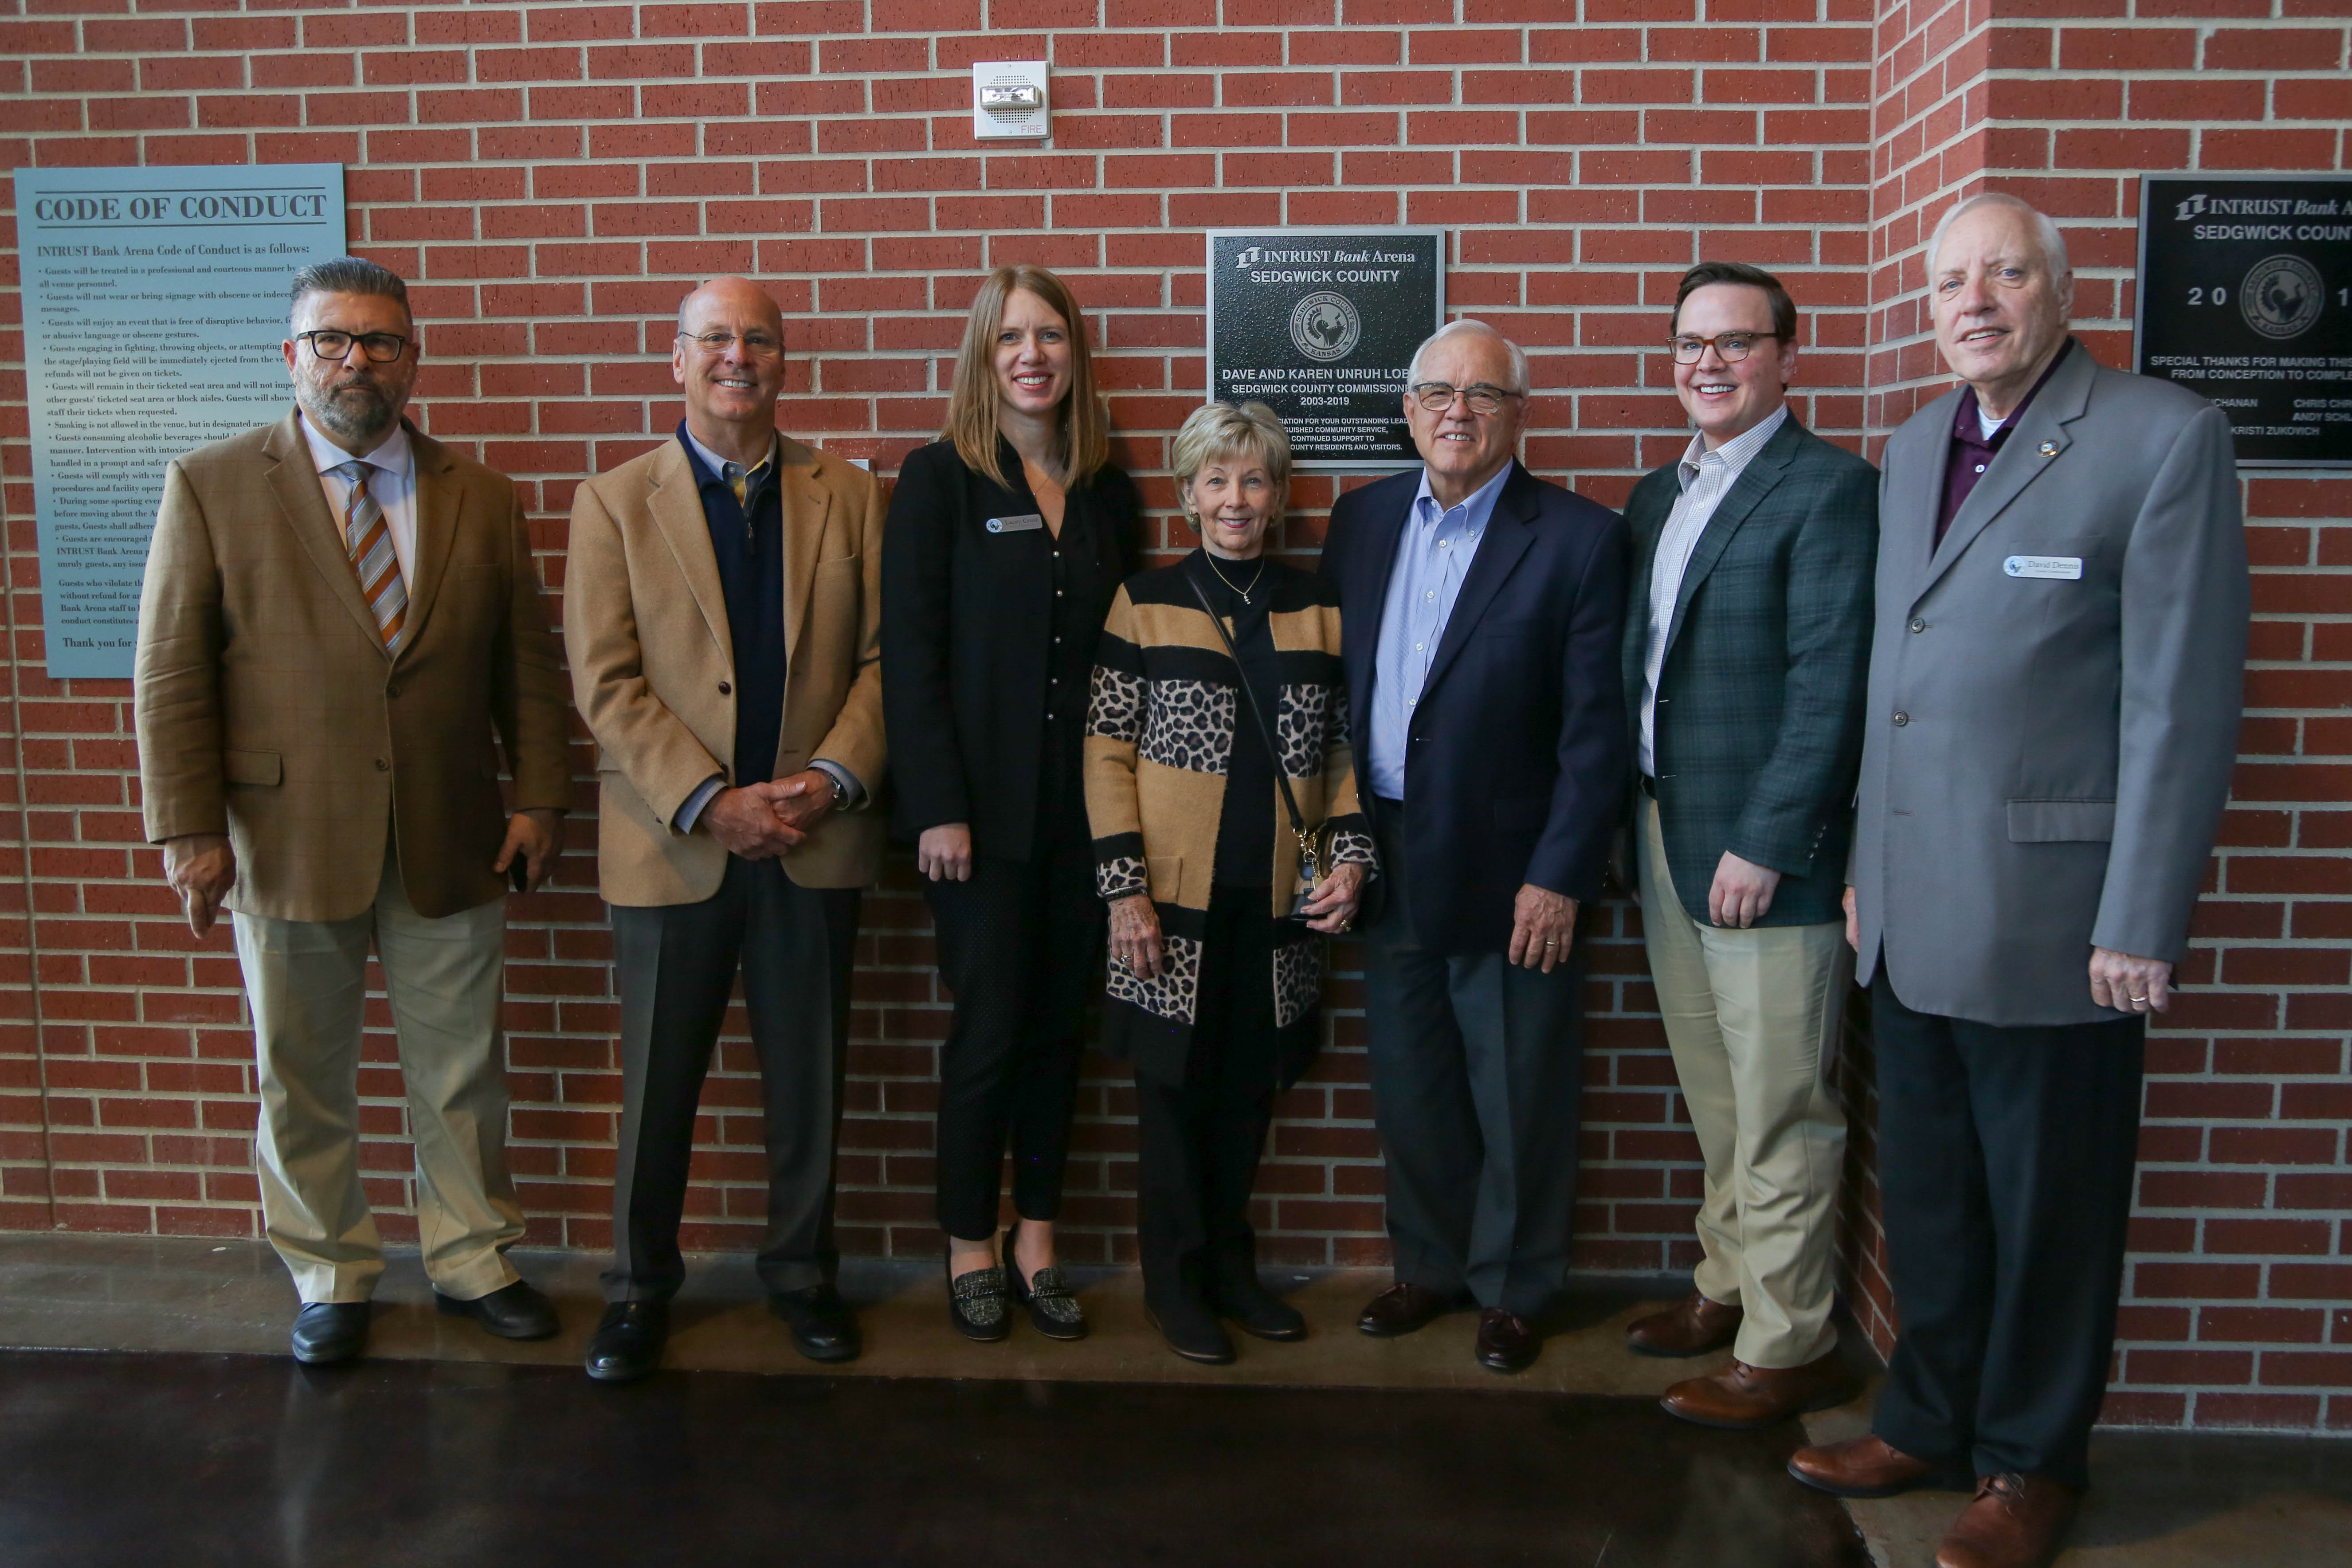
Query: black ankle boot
[1190, 1330]
[1236, 1293]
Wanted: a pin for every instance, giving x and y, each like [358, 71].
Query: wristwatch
[840, 790]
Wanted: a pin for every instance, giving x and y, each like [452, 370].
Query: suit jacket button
[383, 764]
[1917, 624]
[724, 688]
[1902, 718]
[393, 690]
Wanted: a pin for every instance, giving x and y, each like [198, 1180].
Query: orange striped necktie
[368, 536]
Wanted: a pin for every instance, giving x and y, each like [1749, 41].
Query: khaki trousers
[307, 983]
[1752, 1016]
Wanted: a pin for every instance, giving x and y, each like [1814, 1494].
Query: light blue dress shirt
[1433, 556]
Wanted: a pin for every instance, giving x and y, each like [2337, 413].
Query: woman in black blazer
[1006, 540]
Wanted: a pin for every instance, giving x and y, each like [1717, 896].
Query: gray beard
[342, 420]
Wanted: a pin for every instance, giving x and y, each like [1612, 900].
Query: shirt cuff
[691, 812]
[852, 793]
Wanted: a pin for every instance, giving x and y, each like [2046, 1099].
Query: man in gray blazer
[2054, 694]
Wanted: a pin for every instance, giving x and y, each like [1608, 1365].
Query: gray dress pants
[1478, 1079]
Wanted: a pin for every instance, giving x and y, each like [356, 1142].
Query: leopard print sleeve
[1115, 713]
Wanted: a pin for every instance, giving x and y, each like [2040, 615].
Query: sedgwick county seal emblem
[1325, 325]
[2280, 296]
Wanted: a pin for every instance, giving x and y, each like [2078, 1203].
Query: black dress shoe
[326, 1332]
[513, 1311]
[976, 1303]
[1506, 1341]
[1190, 1330]
[627, 1343]
[822, 1329]
[1403, 1309]
[1052, 1307]
[1238, 1295]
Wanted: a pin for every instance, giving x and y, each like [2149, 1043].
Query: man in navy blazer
[1482, 612]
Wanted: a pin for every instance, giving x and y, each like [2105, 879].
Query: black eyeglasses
[759, 345]
[1482, 399]
[1732, 346]
[383, 348]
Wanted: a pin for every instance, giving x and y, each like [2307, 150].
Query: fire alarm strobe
[1009, 101]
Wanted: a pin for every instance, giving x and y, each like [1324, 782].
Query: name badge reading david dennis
[2065, 568]
[1023, 524]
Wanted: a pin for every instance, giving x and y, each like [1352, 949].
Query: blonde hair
[1221, 429]
[976, 401]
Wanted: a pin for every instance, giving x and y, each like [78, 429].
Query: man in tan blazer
[721, 615]
[338, 612]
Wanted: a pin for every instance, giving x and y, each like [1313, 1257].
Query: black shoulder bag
[1312, 855]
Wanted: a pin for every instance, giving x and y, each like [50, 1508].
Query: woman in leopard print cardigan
[1211, 994]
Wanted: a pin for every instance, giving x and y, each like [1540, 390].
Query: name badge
[1018, 525]
[2063, 568]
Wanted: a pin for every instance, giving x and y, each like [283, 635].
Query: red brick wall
[551, 177]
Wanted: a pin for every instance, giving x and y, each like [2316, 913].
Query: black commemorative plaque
[2245, 296]
[1320, 325]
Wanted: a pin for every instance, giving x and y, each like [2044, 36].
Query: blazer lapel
[1510, 531]
[438, 504]
[806, 504]
[1644, 522]
[1371, 558]
[293, 479]
[2039, 437]
[677, 512]
[1755, 482]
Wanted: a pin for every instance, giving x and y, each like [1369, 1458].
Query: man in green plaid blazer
[1745, 663]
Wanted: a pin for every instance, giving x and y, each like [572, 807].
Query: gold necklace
[1228, 582]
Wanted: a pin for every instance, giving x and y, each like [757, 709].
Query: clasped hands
[2118, 980]
[761, 821]
[1135, 944]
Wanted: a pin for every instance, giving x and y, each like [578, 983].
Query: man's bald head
[732, 296]
[729, 358]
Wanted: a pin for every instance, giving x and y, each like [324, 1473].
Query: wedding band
[2139, 998]
[1551, 941]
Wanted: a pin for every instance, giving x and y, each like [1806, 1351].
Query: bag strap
[1249, 695]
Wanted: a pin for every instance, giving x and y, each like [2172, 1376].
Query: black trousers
[1020, 945]
[1200, 1141]
[1477, 1069]
[675, 967]
[2005, 1168]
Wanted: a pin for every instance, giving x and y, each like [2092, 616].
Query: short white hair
[1467, 324]
[2051, 239]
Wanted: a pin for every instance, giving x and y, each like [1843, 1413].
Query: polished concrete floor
[455, 1448]
[198, 1459]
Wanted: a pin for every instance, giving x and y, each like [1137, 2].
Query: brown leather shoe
[2014, 1522]
[1741, 1398]
[1692, 1326]
[1403, 1309]
[1864, 1467]
[1507, 1342]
